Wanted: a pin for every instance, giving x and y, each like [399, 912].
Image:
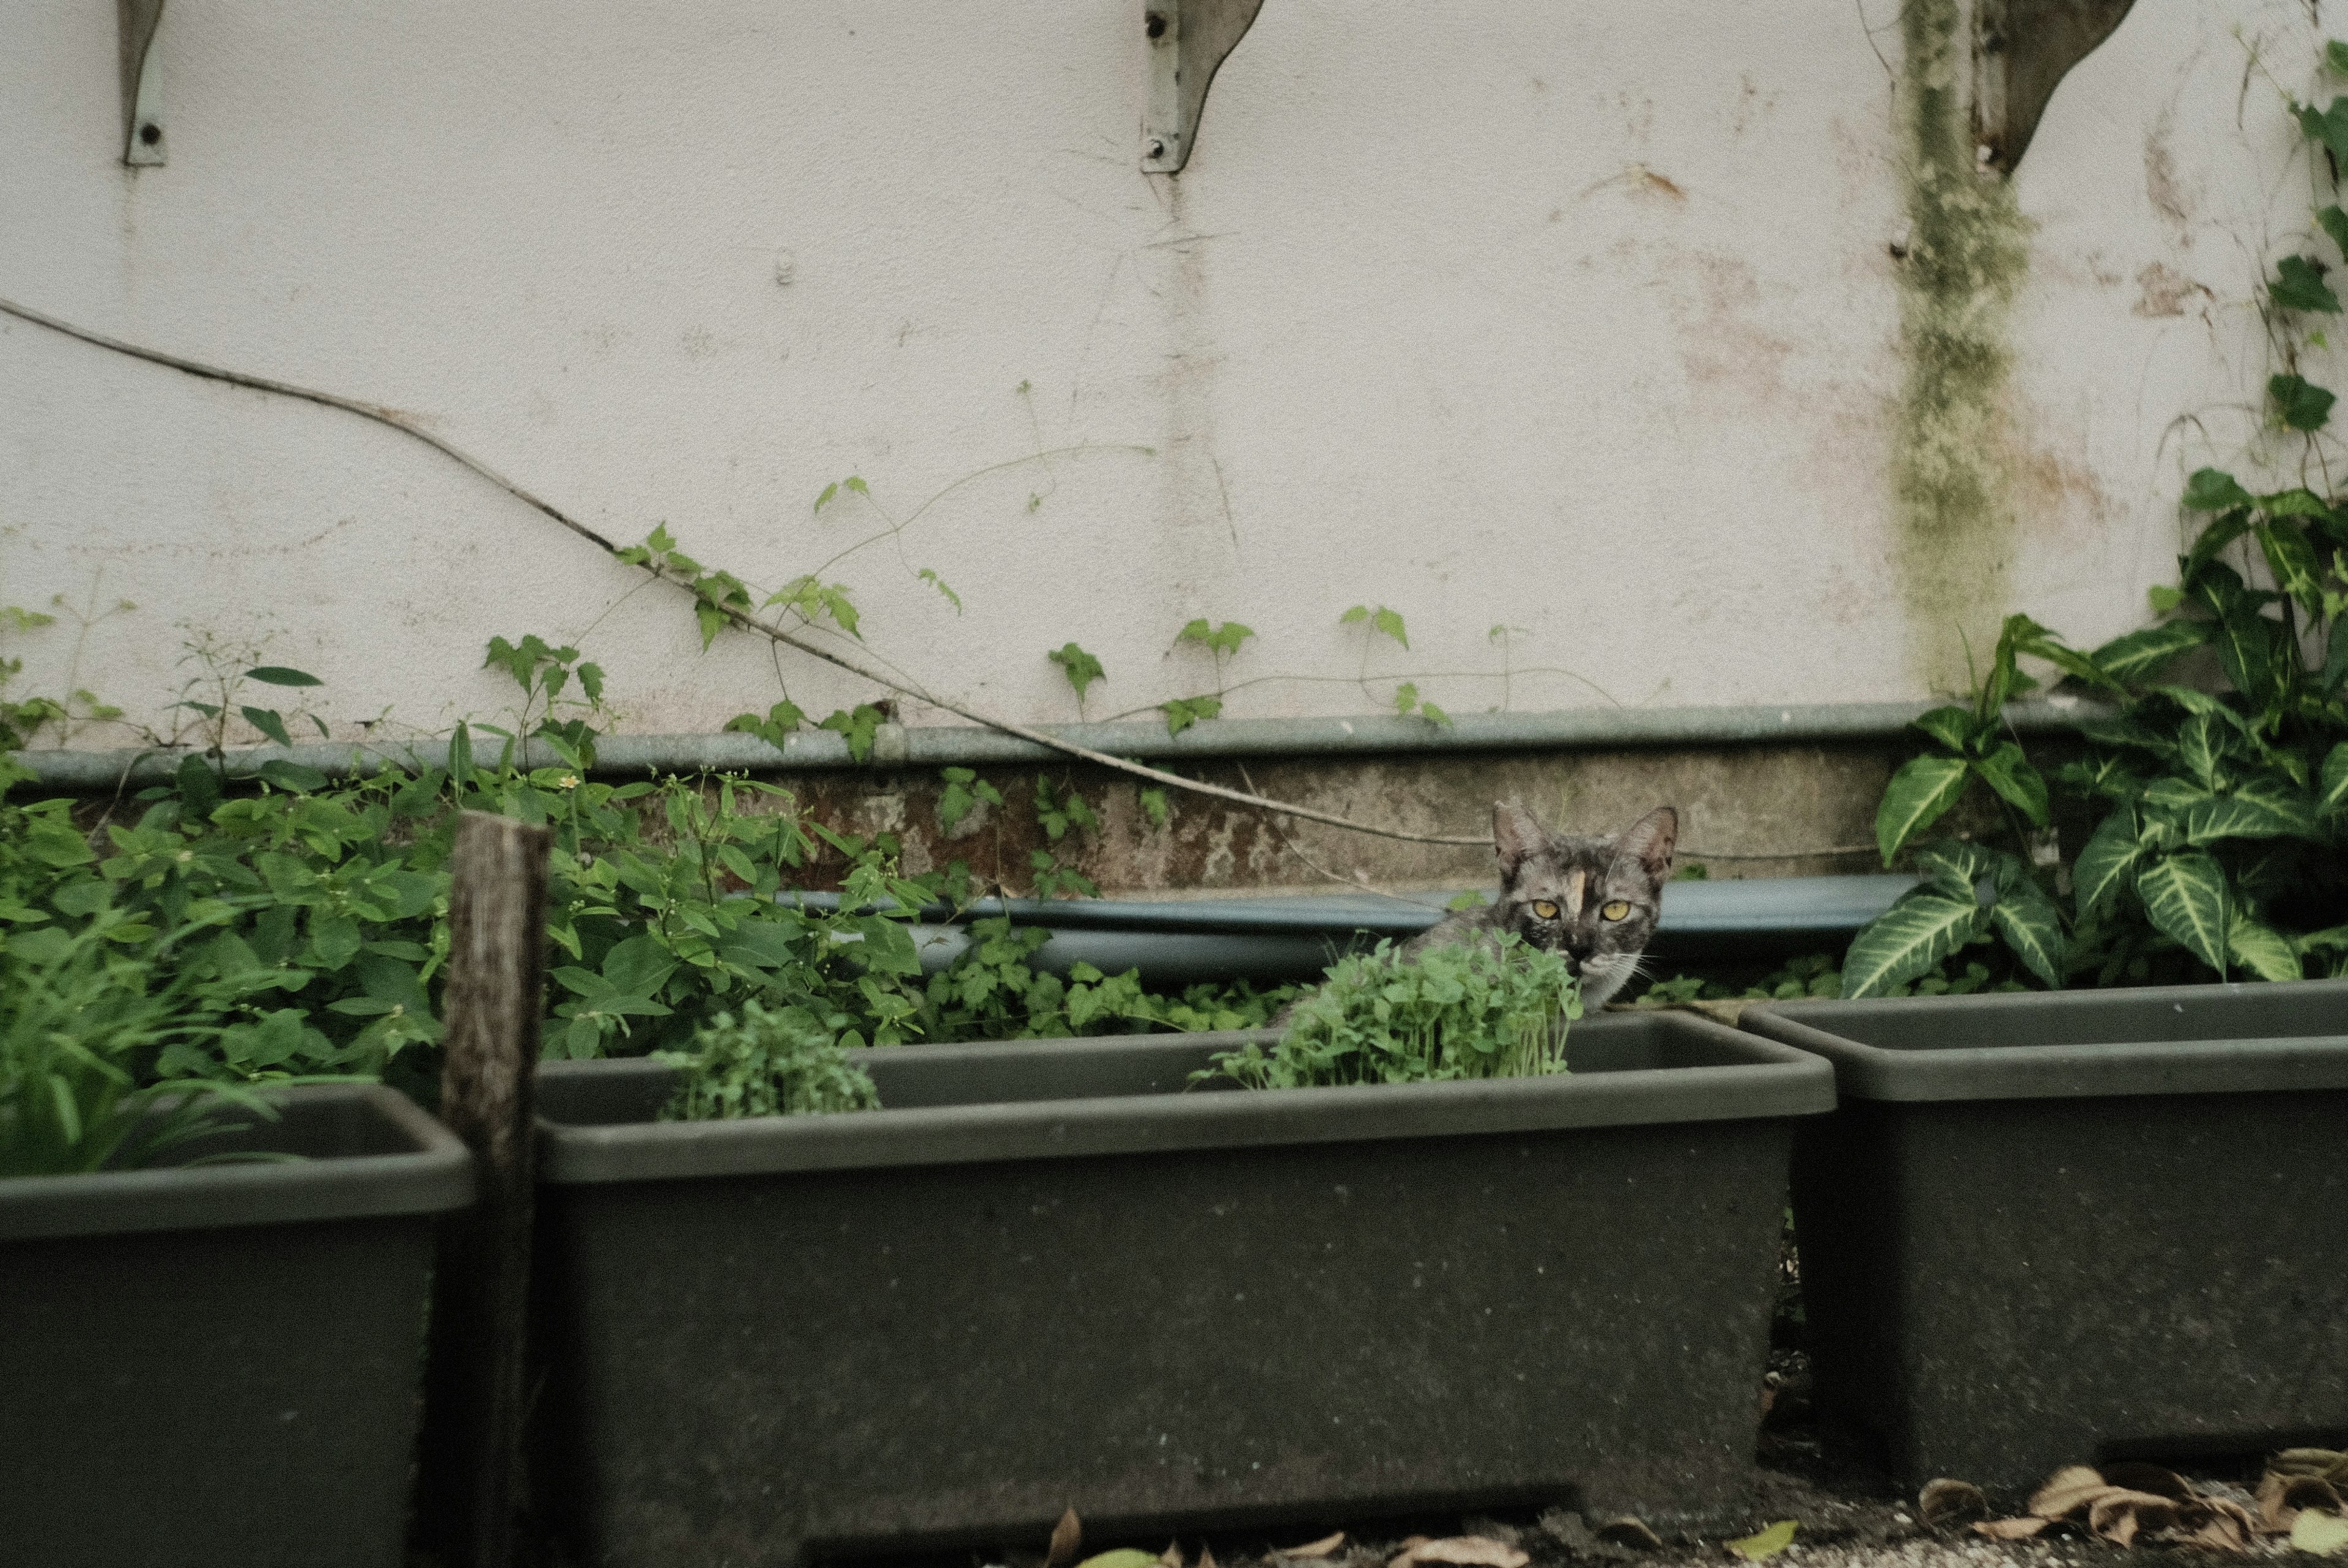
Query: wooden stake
[471, 1452]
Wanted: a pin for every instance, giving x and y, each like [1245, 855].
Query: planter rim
[2220, 1064]
[1764, 1079]
[434, 1173]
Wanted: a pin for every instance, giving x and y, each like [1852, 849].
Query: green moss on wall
[1968, 247]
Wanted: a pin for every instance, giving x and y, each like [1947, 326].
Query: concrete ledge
[967, 745]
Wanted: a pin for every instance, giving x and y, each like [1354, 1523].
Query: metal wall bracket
[2021, 51]
[142, 82]
[1188, 41]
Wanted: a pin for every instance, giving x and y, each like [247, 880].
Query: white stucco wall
[1573, 317]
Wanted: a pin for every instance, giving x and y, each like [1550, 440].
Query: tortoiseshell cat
[1595, 900]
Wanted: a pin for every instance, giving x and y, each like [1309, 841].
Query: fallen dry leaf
[1632, 1532]
[1766, 1542]
[1172, 1556]
[1123, 1557]
[1067, 1540]
[2324, 1535]
[1463, 1552]
[2119, 1514]
[2067, 1490]
[1945, 1503]
[2214, 1523]
[2329, 1464]
[2137, 1476]
[1206, 1557]
[2021, 1529]
[1320, 1548]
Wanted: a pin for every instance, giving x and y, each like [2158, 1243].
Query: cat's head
[1596, 901]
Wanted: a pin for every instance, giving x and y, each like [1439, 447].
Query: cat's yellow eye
[1544, 909]
[1615, 910]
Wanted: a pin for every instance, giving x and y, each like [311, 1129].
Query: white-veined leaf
[2008, 772]
[1918, 795]
[2185, 894]
[2110, 855]
[2333, 796]
[2030, 924]
[2199, 747]
[1924, 928]
[2143, 653]
[2263, 951]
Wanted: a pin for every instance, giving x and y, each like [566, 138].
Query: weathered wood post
[472, 1449]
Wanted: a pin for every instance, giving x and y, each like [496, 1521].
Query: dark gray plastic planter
[1050, 1279]
[218, 1368]
[2048, 1229]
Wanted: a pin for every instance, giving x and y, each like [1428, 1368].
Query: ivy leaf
[2335, 224]
[2303, 404]
[2214, 490]
[929, 575]
[2327, 127]
[278, 675]
[1919, 795]
[2105, 863]
[2139, 654]
[857, 726]
[1184, 711]
[2185, 894]
[1405, 697]
[2008, 772]
[781, 721]
[1222, 640]
[1919, 930]
[2336, 55]
[1390, 622]
[268, 723]
[1080, 667]
[2298, 285]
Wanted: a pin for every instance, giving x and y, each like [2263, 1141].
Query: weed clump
[1477, 1009]
[777, 1062]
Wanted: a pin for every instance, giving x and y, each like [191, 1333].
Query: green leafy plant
[2211, 807]
[88, 1018]
[1181, 712]
[964, 793]
[1081, 669]
[1472, 1010]
[779, 1061]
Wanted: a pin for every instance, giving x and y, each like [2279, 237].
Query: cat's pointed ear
[1514, 835]
[1650, 841]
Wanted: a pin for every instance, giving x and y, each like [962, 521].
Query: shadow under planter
[2057, 1228]
[1045, 1276]
[218, 1366]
